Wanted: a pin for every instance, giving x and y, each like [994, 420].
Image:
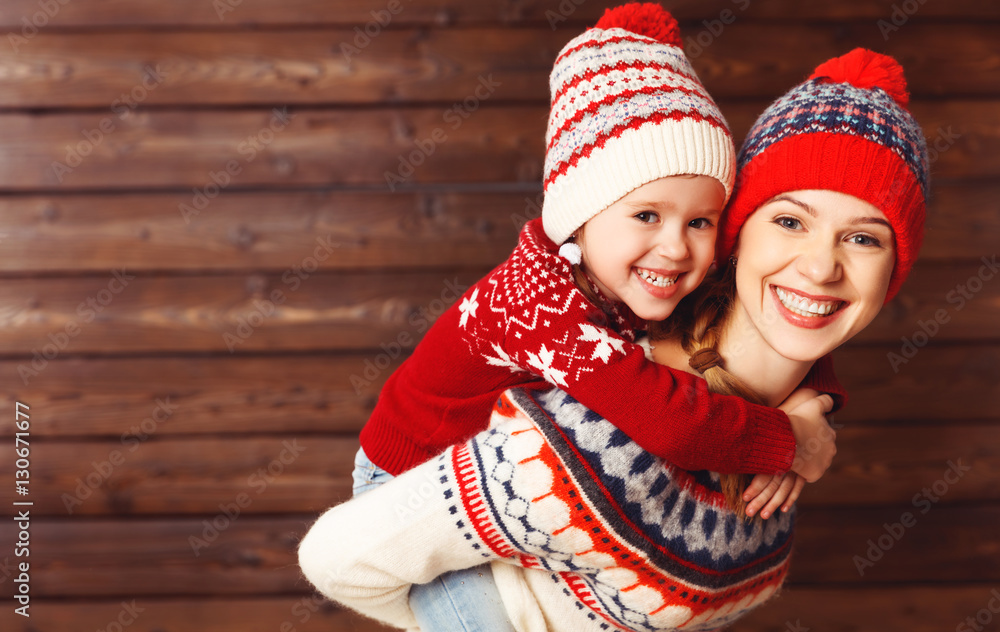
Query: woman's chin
[803, 350]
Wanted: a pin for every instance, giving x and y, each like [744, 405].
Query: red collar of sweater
[535, 243]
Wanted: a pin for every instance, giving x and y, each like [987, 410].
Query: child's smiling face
[654, 246]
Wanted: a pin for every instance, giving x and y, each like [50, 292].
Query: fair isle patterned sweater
[585, 530]
[527, 324]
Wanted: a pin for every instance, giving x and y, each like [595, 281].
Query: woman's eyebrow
[871, 220]
[805, 207]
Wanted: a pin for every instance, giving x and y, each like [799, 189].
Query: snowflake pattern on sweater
[529, 303]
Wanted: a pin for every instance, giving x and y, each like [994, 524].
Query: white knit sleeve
[367, 552]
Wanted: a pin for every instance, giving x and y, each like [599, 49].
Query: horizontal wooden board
[943, 302]
[955, 212]
[256, 555]
[271, 230]
[291, 311]
[290, 394]
[123, 13]
[336, 66]
[268, 231]
[212, 151]
[209, 151]
[264, 613]
[888, 609]
[205, 395]
[299, 310]
[932, 383]
[143, 473]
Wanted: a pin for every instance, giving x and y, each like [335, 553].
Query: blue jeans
[458, 601]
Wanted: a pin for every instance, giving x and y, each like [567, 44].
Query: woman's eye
[865, 240]
[646, 217]
[701, 222]
[788, 222]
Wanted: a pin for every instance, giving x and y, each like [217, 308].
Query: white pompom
[571, 252]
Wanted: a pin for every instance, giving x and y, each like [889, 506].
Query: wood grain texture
[389, 149]
[337, 66]
[146, 473]
[311, 312]
[142, 475]
[125, 13]
[408, 192]
[935, 383]
[302, 309]
[334, 394]
[242, 148]
[888, 609]
[266, 230]
[86, 397]
[256, 554]
[910, 609]
[262, 613]
[366, 230]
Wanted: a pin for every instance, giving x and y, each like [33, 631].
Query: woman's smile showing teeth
[805, 310]
[803, 306]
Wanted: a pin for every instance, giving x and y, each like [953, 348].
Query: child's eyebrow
[666, 205]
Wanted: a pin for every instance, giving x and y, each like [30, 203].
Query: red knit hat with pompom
[627, 109]
[845, 129]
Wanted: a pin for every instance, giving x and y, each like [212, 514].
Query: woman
[585, 531]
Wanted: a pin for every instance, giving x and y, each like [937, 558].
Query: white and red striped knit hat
[627, 109]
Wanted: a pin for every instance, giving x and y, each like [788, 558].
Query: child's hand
[770, 491]
[815, 440]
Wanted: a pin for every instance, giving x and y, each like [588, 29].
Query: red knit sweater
[528, 324]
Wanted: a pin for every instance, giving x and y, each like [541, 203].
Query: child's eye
[646, 217]
[865, 240]
[701, 222]
[788, 222]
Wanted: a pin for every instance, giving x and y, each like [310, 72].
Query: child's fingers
[794, 495]
[787, 483]
[765, 494]
[756, 486]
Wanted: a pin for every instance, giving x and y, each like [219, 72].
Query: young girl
[586, 530]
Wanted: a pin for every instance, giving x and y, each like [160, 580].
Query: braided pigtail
[698, 324]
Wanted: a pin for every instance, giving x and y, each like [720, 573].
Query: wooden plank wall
[207, 274]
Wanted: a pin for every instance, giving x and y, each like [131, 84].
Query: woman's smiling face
[813, 270]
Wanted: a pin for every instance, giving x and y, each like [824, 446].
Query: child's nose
[672, 247]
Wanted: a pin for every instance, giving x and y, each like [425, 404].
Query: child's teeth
[655, 279]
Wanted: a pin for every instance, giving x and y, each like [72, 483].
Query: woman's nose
[820, 263]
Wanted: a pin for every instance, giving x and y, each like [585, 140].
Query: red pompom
[649, 19]
[866, 69]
